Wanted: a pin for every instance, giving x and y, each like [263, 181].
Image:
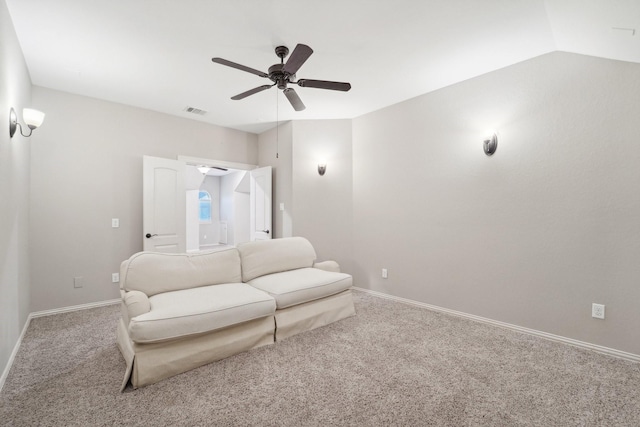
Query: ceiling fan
[284, 74]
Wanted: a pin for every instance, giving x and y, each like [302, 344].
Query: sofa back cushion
[154, 273]
[273, 256]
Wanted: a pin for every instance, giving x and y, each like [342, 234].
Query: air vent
[627, 31]
[194, 110]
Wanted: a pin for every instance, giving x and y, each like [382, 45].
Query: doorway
[227, 203]
[233, 200]
[217, 208]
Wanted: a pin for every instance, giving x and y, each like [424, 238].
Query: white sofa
[181, 311]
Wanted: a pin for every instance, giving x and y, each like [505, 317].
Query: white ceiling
[156, 54]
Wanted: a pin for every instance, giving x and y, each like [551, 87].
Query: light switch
[115, 222]
[282, 206]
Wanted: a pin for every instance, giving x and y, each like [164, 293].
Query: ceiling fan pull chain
[277, 128]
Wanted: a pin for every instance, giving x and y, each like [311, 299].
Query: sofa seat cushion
[302, 285]
[193, 311]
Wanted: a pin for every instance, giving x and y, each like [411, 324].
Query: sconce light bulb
[33, 118]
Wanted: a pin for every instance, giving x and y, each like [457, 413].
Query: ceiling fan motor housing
[281, 78]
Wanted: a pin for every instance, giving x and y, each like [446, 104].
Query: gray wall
[316, 207]
[87, 169]
[322, 205]
[531, 236]
[15, 91]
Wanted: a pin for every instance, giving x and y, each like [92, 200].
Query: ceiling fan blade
[294, 99]
[251, 92]
[300, 54]
[323, 84]
[239, 67]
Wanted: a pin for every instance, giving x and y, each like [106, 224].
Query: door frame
[197, 161]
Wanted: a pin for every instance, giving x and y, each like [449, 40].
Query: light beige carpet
[392, 364]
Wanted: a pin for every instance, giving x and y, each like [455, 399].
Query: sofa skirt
[314, 314]
[150, 363]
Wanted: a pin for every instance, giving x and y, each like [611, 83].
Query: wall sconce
[322, 168]
[490, 145]
[33, 119]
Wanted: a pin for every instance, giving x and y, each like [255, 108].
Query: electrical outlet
[78, 282]
[115, 222]
[115, 277]
[385, 274]
[597, 311]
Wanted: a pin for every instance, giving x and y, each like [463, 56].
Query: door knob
[149, 235]
[265, 231]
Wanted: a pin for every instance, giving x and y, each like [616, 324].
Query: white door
[260, 204]
[164, 205]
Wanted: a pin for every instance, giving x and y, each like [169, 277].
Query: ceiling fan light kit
[284, 74]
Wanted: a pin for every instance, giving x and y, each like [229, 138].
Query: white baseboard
[33, 315]
[74, 308]
[7, 368]
[570, 341]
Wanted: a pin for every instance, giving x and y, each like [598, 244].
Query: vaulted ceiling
[156, 54]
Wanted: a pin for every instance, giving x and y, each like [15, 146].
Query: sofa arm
[123, 274]
[327, 266]
[137, 303]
